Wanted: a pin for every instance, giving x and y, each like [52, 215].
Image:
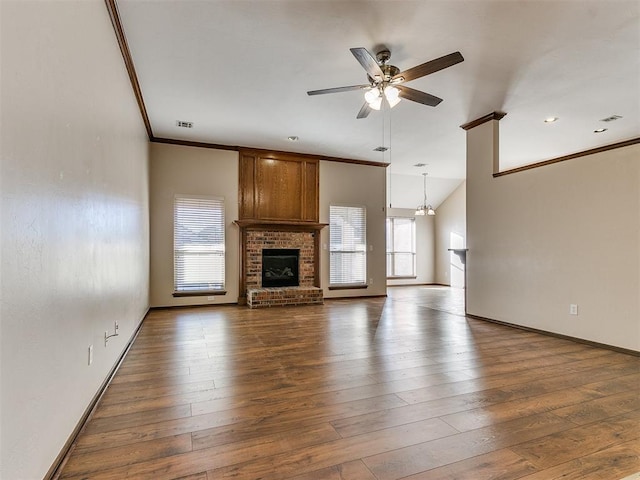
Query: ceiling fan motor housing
[383, 56]
[389, 71]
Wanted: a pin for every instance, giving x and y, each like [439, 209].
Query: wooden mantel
[294, 225]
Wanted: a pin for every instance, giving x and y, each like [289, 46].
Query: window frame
[363, 250]
[218, 215]
[390, 235]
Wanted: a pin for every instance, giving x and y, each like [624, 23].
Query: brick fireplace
[258, 235]
[278, 209]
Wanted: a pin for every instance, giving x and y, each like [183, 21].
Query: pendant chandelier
[425, 209]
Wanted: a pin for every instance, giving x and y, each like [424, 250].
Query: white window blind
[401, 247]
[348, 245]
[198, 239]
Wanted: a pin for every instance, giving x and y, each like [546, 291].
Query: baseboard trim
[60, 461]
[358, 297]
[557, 335]
[197, 305]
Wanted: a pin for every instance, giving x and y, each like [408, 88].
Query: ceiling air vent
[380, 149]
[180, 123]
[611, 118]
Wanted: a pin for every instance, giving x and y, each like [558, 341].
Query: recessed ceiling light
[600, 130]
[550, 119]
[293, 138]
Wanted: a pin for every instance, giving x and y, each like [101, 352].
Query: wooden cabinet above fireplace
[278, 186]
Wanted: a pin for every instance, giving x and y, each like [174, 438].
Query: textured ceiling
[239, 70]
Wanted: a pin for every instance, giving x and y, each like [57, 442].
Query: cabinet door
[276, 186]
[279, 189]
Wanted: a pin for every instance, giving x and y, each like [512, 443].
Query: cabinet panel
[247, 185]
[277, 186]
[279, 189]
[311, 202]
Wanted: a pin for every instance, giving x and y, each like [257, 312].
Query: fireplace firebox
[280, 267]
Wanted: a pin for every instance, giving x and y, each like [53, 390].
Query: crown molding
[481, 120]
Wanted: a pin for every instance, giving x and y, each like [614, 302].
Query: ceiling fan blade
[429, 67]
[418, 96]
[364, 111]
[368, 62]
[338, 89]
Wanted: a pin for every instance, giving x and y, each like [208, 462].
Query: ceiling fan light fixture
[393, 102]
[392, 95]
[371, 95]
[391, 92]
[376, 104]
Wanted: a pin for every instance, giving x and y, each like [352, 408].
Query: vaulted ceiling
[239, 71]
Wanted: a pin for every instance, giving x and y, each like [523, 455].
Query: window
[198, 242]
[348, 246]
[401, 247]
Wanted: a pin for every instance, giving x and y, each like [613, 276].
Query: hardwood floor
[369, 389]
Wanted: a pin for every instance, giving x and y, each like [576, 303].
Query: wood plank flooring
[402, 387]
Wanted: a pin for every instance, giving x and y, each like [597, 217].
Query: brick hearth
[276, 297]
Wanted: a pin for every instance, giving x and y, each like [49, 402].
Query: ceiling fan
[385, 81]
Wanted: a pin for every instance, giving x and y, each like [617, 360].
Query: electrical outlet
[90, 359]
[211, 298]
[370, 280]
[573, 309]
[116, 326]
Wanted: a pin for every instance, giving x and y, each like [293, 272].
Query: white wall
[562, 234]
[75, 232]
[451, 226]
[351, 184]
[195, 171]
[425, 234]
